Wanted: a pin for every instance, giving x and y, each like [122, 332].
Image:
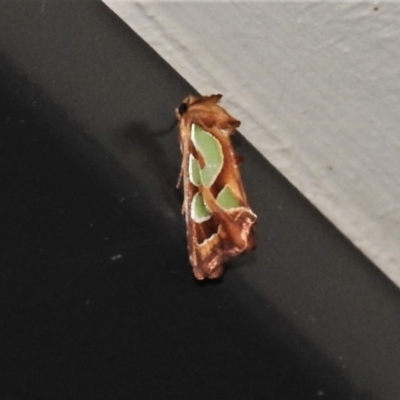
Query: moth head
[191, 100]
[184, 106]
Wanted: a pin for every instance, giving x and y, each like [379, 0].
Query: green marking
[211, 150]
[199, 211]
[194, 171]
[226, 199]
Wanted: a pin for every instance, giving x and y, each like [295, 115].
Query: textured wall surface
[317, 88]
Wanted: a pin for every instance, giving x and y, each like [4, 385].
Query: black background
[97, 296]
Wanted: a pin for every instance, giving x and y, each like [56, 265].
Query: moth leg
[178, 184]
[184, 157]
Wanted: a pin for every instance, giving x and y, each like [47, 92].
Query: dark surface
[97, 296]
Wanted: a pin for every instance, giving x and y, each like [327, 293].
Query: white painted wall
[317, 88]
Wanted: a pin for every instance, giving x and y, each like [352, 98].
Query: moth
[218, 217]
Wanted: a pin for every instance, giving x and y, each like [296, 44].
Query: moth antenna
[169, 129]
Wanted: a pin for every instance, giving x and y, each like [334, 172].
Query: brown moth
[218, 217]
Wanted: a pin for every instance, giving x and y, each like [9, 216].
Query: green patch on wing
[211, 150]
[199, 211]
[194, 171]
[226, 199]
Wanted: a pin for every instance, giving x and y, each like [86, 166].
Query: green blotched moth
[218, 217]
